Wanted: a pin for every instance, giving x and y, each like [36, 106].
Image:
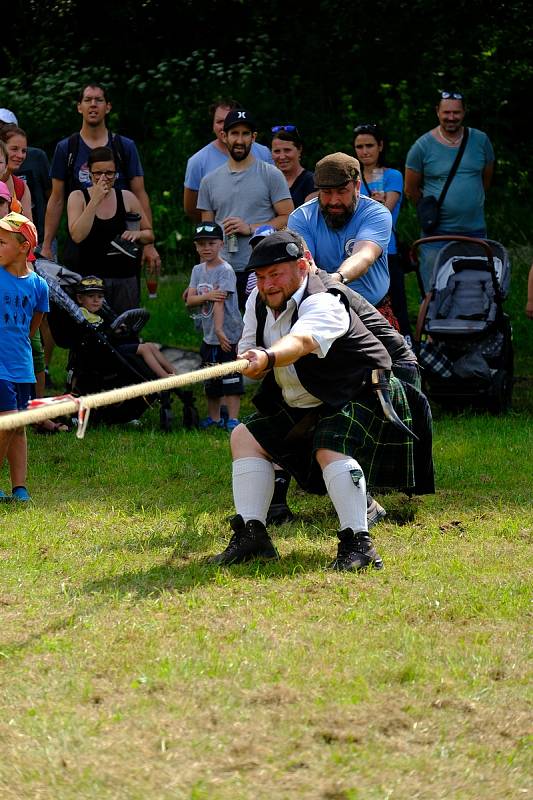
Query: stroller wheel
[191, 417]
[165, 418]
[499, 395]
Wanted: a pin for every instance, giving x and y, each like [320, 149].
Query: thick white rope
[67, 405]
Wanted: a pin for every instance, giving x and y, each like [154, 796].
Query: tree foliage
[324, 67]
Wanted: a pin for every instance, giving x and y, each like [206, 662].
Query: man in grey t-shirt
[243, 194]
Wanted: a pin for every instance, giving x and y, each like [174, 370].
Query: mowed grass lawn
[131, 669]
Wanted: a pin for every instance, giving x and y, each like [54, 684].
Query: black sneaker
[374, 512]
[279, 514]
[248, 541]
[355, 552]
[126, 247]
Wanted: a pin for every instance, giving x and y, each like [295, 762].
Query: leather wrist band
[341, 276]
[270, 355]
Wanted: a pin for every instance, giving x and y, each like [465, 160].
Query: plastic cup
[151, 285]
[377, 180]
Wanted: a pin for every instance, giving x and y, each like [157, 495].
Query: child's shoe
[5, 498]
[21, 494]
[232, 423]
[209, 422]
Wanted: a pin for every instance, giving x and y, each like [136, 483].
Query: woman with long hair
[385, 185]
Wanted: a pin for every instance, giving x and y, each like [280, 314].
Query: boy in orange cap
[24, 301]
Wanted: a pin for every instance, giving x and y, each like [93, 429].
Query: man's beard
[283, 305]
[337, 221]
[241, 154]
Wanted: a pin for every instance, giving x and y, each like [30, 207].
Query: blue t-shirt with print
[463, 207]
[329, 247]
[131, 165]
[20, 298]
[392, 182]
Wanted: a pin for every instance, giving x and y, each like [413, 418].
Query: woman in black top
[97, 224]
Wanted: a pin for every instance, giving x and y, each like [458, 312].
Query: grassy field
[131, 670]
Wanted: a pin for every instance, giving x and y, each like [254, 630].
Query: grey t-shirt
[249, 194]
[205, 279]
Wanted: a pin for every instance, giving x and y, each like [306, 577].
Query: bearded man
[346, 232]
[320, 414]
[243, 194]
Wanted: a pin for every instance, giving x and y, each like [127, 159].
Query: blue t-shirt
[131, 166]
[392, 182]
[20, 299]
[210, 157]
[371, 221]
[462, 210]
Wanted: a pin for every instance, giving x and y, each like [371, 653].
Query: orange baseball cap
[17, 223]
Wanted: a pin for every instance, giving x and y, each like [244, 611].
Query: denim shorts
[14, 396]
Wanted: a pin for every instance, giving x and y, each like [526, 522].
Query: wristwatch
[341, 276]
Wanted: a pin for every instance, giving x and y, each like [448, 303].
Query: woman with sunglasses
[97, 223]
[386, 188]
[287, 148]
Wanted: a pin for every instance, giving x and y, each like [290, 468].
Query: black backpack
[119, 155]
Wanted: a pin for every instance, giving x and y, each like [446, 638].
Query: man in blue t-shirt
[212, 156]
[346, 232]
[428, 165]
[94, 106]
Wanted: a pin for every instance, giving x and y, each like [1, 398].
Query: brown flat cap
[336, 170]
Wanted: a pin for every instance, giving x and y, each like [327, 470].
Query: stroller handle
[445, 238]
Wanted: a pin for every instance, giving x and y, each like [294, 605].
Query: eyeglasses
[365, 127]
[451, 96]
[109, 173]
[288, 128]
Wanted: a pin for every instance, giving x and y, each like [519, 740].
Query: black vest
[345, 371]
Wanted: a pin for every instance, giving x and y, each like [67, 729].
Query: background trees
[324, 67]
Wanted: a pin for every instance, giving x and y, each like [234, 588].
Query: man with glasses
[212, 156]
[428, 164]
[70, 171]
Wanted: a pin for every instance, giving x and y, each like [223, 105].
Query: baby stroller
[464, 336]
[94, 363]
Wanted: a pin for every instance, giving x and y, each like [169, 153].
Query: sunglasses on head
[365, 127]
[451, 96]
[288, 128]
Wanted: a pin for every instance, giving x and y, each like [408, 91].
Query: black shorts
[228, 385]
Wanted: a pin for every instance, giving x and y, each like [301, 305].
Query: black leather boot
[248, 541]
[355, 552]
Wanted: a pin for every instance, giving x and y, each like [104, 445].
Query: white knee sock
[253, 487]
[348, 498]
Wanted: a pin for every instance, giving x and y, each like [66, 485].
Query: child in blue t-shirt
[213, 292]
[24, 300]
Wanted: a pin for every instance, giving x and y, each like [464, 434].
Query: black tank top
[96, 255]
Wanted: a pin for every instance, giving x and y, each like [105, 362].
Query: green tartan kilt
[291, 436]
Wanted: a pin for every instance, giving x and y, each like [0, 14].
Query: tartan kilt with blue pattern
[291, 437]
